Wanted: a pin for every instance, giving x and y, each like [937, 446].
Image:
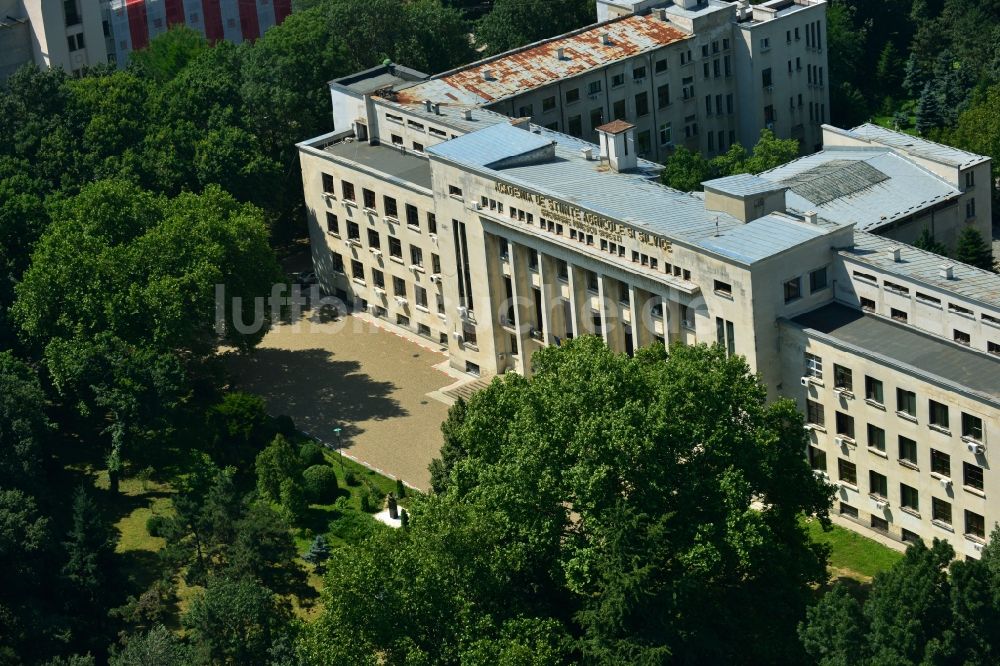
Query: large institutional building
[438, 205]
[76, 34]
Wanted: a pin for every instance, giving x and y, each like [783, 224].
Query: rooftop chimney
[812, 217]
[523, 122]
[467, 114]
[437, 109]
[427, 105]
[560, 53]
[662, 14]
[487, 75]
[947, 271]
[618, 145]
[605, 39]
[588, 153]
[894, 252]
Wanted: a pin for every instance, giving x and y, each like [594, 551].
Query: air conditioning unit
[434, 238]
[505, 320]
[458, 336]
[975, 448]
[463, 311]
[435, 278]
[379, 291]
[376, 252]
[945, 483]
[806, 381]
[371, 309]
[400, 301]
[347, 242]
[536, 333]
[415, 267]
[809, 427]
[475, 205]
[841, 441]
[820, 474]
[978, 547]
[881, 504]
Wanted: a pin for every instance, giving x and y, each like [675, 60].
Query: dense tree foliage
[513, 23]
[604, 509]
[686, 170]
[928, 609]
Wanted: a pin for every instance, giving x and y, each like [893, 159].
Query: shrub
[285, 425]
[350, 478]
[366, 503]
[400, 489]
[311, 454]
[320, 483]
[156, 525]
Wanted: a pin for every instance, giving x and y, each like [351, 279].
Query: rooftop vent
[947, 271]
[487, 75]
[437, 109]
[560, 53]
[588, 153]
[662, 14]
[467, 114]
[427, 105]
[605, 39]
[811, 217]
[894, 252]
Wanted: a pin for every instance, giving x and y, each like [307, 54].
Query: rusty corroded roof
[537, 65]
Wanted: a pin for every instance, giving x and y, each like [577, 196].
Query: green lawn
[851, 554]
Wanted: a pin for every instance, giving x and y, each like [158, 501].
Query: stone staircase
[465, 388]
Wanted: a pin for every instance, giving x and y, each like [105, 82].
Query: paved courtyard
[355, 374]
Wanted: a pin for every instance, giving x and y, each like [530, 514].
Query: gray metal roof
[920, 147]
[762, 238]
[634, 198]
[926, 354]
[870, 187]
[384, 159]
[451, 115]
[379, 77]
[742, 185]
[969, 281]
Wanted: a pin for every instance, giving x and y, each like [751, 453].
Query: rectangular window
[337, 262]
[723, 288]
[843, 378]
[666, 135]
[940, 511]
[848, 510]
[572, 95]
[815, 413]
[766, 80]
[399, 287]
[639, 73]
[416, 256]
[332, 226]
[594, 87]
[817, 458]
[576, 126]
[867, 304]
[938, 414]
[374, 241]
[328, 186]
[876, 438]
[847, 471]
[878, 485]
[940, 463]
[368, 198]
[880, 524]
[975, 525]
[353, 231]
[618, 110]
[898, 315]
[412, 216]
[347, 190]
[972, 475]
[432, 225]
[357, 269]
[962, 338]
[906, 402]
[596, 117]
[793, 289]
[454, 191]
[660, 66]
[972, 427]
[817, 280]
[390, 207]
[420, 296]
[907, 450]
[845, 425]
[378, 279]
[395, 248]
[814, 366]
[617, 80]
[873, 390]
[548, 104]
[641, 104]
[909, 497]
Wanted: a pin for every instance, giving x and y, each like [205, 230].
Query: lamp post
[340, 444]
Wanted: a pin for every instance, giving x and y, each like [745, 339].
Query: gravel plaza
[380, 385]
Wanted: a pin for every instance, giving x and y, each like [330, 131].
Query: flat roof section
[539, 64]
[930, 150]
[385, 159]
[378, 78]
[926, 354]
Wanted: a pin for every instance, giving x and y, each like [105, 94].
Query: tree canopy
[686, 170]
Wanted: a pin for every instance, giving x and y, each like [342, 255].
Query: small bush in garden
[311, 454]
[350, 478]
[320, 484]
[400, 489]
[155, 525]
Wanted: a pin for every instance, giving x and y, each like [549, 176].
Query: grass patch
[852, 554]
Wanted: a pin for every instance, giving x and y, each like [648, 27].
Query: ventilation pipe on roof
[487, 75]
[437, 109]
[947, 271]
[560, 53]
[467, 114]
[605, 39]
[427, 105]
[662, 14]
[894, 252]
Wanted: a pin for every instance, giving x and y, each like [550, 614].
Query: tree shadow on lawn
[319, 392]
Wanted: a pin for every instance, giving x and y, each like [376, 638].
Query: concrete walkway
[372, 380]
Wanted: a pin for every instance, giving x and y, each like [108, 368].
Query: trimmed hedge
[320, 483]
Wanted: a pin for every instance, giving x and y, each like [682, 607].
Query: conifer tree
[973, 250]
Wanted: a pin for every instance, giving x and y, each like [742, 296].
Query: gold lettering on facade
[590, 223]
